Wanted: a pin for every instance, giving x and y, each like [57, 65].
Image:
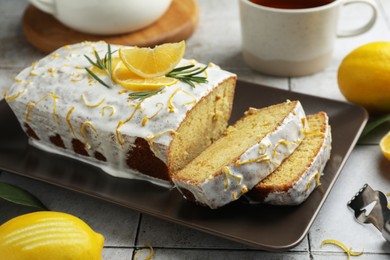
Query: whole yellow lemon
[49, 235]
[364, 77]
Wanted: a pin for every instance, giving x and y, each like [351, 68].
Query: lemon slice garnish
[151, 63]
[385, 145]
[129, 80]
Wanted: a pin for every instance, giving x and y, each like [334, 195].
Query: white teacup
[293, 42]
[104, 16]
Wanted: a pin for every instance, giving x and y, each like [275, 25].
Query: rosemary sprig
[104, 64]
[97, 78]
[188, 74]
[141, 95]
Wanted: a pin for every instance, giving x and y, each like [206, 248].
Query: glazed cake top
[60, 85]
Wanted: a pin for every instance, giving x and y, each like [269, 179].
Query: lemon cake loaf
[250, 150]
[65, 110]
[293, 181]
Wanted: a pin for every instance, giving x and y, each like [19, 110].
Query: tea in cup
[293, 37]
[104, 17]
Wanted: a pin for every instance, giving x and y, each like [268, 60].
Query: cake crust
[65, 110]
[294, 180]
[234, 179]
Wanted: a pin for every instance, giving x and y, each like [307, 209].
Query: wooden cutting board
[47, 34]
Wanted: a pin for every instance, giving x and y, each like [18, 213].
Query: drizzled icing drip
[151, 138]
[317, 176]
[84, 134]
[63, 74]
[32, 105]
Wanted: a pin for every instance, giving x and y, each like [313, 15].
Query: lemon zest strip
[243, 191]
[171, 107]
[55, 55]
[13, 97]
[151, 254]
[75, 77]
[28, 110]
[33, 104]
[227, 173]
[110, 107]
[318, 181]
[234, 195]
[89, 105]
[137, 107]
[284, 142]
[146, 119]
[342, 246]
[190, 95]
[304, 123]
[123, 91]
[55, 97]
[151, 138]
[260, 159]
[118, 134]
[52, 71]
[263, 148]
[68, 121]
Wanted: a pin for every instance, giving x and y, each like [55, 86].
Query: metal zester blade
[379, 216]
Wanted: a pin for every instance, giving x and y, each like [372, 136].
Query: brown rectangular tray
[266, 227]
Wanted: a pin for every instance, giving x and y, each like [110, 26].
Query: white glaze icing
[62, 73]
[127, 174]
[213, 191]
[302, 189]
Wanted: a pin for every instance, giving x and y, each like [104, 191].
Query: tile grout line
[309, 245]
[136, 236]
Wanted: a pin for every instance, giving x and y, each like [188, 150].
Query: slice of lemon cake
[293, 181]
[82, 101]
[250, 150]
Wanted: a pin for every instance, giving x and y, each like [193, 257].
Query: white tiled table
[217, 39]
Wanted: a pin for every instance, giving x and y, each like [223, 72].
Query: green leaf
[374, 124]
[19, 196]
